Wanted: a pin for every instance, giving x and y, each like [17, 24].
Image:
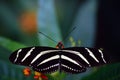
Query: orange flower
[44, 77]
[38, 76]
[28, 22]
[27, 72]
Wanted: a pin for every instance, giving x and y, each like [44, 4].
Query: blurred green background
[22, 20]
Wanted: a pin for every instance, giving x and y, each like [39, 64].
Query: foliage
[106, 72]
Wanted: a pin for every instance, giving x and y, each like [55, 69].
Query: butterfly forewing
[87, 57]
[33, 56]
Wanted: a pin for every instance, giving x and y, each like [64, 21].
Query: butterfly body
[47, 59]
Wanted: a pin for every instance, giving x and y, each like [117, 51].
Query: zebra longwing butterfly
[48, 59]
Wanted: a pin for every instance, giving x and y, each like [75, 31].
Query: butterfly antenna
[48, 37]
[68, 33]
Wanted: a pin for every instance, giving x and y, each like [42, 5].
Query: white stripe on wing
[52, 66]
[70, 60]
[69, 68]
[49, 59]
[28, 53]
[42, 53]
[102, 55]
[92, 55]
[78, 54]
[17, 55]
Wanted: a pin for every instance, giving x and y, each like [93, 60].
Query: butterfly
[47, 59]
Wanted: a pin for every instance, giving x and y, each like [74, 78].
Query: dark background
[108, 31]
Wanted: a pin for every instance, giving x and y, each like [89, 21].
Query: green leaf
[106, 72]
[9, 44]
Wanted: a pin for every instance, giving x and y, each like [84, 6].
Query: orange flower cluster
[37, 75]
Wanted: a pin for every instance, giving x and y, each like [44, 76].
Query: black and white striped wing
[42, 59]
[86, 57]
[69, 62]
[47, 60]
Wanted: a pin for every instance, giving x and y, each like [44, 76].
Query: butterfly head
[60, 45]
